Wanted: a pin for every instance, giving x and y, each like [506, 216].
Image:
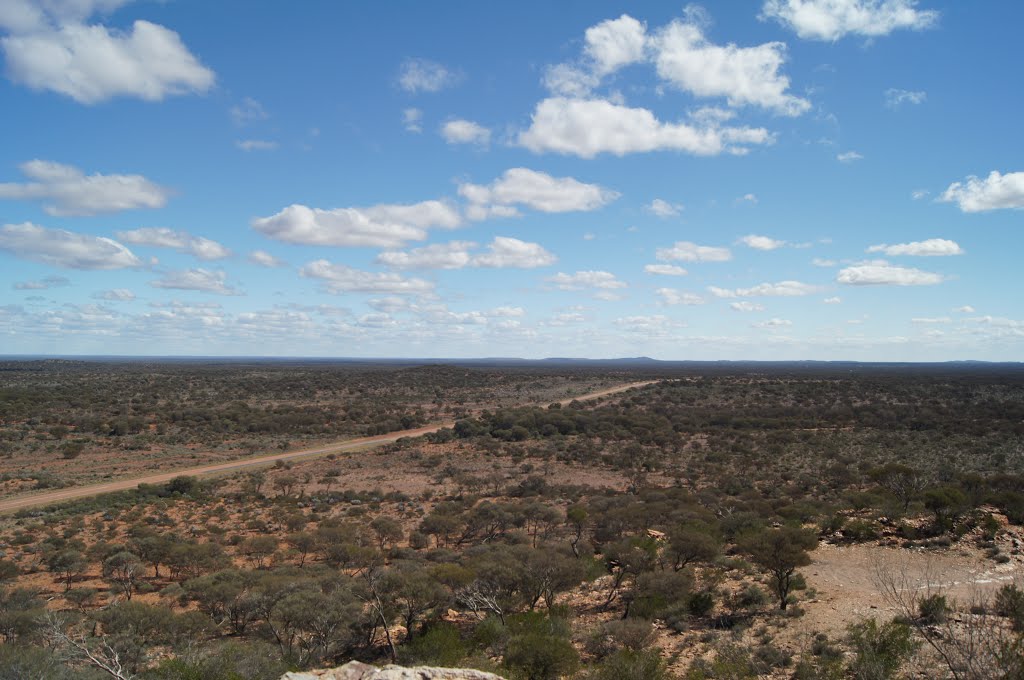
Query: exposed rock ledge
[354, 670]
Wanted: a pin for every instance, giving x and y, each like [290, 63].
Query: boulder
[355, 670]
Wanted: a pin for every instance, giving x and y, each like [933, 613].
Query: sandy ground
[19, 502]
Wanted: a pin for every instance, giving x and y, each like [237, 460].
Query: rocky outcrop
[354, 670]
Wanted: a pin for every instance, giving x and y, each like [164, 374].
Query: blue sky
[775, 179]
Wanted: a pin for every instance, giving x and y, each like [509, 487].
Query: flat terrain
[48, 498]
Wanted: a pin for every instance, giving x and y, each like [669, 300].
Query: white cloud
[507, 312]
[511, 252]
[780, 289]
[747, 198]
[831, 20]
[995, 192]
[931, 320]
[743, 75]
[340, 278]
[918, 194]
[248, 111]
[895, 98]
[453, 255]
[929, 248]
[256, 145]
[665, 269]
[685, 251]
[615, 43]
[822, 262]
[651, 327]
[849, 157]
[465, 132]
[162, 237]
[833, 300]
[423, 75]
[380, 226]
[746, 306]
[412, 119]
[69, 192]
[588, 127]
[772, 323]
[761, 242]
[264, 259]
[115, 295]
[663, 208]
[671, 296]
[966, 309]
[65, 249]
[586, 279]
[202, 280]
[44, 284]
[91, 63]
[884, 274]
[537, 190]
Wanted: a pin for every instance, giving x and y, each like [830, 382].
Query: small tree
[123, 570]
[780, 552]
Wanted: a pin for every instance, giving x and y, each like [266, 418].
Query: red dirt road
[20, 502]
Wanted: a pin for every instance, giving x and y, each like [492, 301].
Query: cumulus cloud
[511, 252]
[380, 226]
[746, 306]
[588, 127]
[423, 75]
[256, 145]
[832, 301]
[265, 259]
[56, 51]
[665, 269]
[43, 284]
[248, 111]
[686, 251]
[65, 249]
[780, 289]
[849, 157]
[69, 192]
[965, 309]
[772, 323]
[994, 192]
[671, 296]
[882, 273]
[933, 247]
[586, 279]
[533, 189]
[684, 58]
[761, 242]
[831, 20]
[895, 98]
[412, 119]
[662, 208]
[453, 255]
[162, 237]
[115, 295]
[461, 131]
[822, 262]
[202, 280]
[742, 75]
[340, 278]
[930, 320]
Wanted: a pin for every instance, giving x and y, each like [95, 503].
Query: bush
[535, 656]
[879, 651]
[933, 609]
[440, 645]
[627, 664]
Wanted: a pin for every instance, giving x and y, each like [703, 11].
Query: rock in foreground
[355, 670]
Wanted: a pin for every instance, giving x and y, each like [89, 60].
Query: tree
[387, 530]
[693, 542]
[947, 503]
[414, 592]
[902, 481]
[780, 552]
[258, 549]
[123, 570]
[303, 543]
[67, 565]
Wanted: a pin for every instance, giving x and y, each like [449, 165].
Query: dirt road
[15, 503]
